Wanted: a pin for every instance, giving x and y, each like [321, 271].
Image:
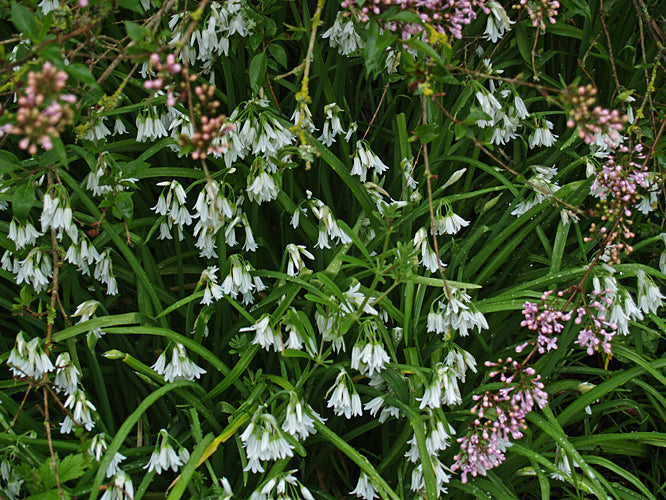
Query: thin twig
[602, 15]
[428, 174]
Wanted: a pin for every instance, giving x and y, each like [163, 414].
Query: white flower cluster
[121, 488]
[364, 488]
[107, 177]
[265, 335]
[80, 407]
[285, 486]
[226, 20]
[450, 223]
[437, 439]
[429, 258]
[442, 388]
[498, 22]
[98, 447]
[368, 354]
[457, 314]
[264, 440]
[164, 457]
[364, 160]
[181, 367]
[173, 207]
[343, 36]
[543, 179]
[505, 124]
[344, 399]
[28, 359]
[258, 132]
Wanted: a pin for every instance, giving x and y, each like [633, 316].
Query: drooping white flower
[364, 488]
[450, 223]
[80, 408]
[36, 269]
[650, 298]
[104, 273]
[264, 440]
[332, 124]
[67, 374]
[343, 400]
[364, 160]
[265, 335]
[498, 22]
[542, 136]
[261, 188]
[297, 419]
[28, 359]
[180, 367]
[98, 447]
[295, 263]
[22, 234]
[213, 290]
[121, 489]
[343, 36]
[164, 457]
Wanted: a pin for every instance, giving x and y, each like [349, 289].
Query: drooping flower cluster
[343, 36]
[456, 313]
[499, 417]
[263, 439]
[284, 486]
[164, 457]
[211, 40]
[179, 367]
[44, 111]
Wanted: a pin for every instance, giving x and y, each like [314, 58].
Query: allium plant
[373, 249]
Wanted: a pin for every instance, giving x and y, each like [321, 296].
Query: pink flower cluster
[594, 123]
[165, 72]
[43, 110]
[620, 181]
[539, 10]
[618, 186]
[208, 138]
[445, 16]
[546, 322]
[500, 417]
[601, 332]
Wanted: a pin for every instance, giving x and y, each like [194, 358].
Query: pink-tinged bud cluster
[445, 16]
[539, 10]
[208, 137]
[620, 185]
[164, 74]
[499, 417]
[546, 321]
[595, 122]
[600, 332]
[43, 110]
